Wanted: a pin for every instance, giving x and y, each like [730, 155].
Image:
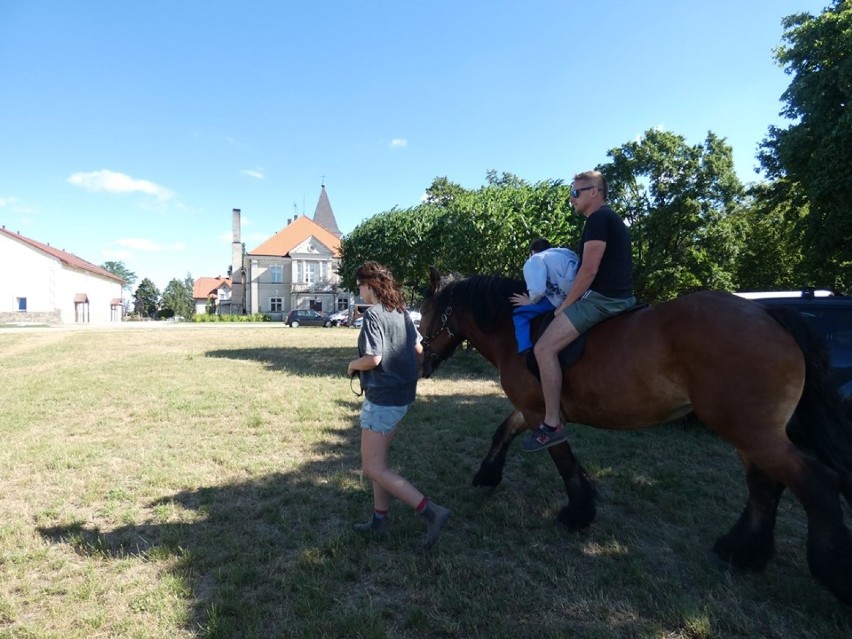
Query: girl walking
[389, 367]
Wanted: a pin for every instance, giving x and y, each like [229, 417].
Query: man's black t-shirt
[615, 274]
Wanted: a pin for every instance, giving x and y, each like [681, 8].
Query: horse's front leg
[490, 472]
[580, 511]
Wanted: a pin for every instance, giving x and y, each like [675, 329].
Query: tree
[119, 269]
[484, 231]
[813, 155]
[771, 254]
[678, 201]
[147, 298]
[177, 297]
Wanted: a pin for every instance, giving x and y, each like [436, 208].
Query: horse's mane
[486, 296]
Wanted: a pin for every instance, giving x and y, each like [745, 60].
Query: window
[342, 304]
[275, 305]
[276, 272]
[21, 303]
[311, 269]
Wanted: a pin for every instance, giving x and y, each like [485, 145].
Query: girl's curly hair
[380, 279]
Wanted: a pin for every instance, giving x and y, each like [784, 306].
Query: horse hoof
[575, 519]
[487, 477]
[830, 561]
[748, 554]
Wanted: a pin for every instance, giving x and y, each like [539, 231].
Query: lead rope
[360, 390]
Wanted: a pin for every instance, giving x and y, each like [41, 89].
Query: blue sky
[129, 130]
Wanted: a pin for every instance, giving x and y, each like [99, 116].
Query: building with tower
[294, 269]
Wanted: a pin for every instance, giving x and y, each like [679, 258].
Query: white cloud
[398, 143]
[112, 182]
[14, 205]
[254, 173]
[141, 244]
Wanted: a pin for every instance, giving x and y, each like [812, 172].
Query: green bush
[257, 317]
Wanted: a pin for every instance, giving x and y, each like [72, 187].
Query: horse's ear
[434, 279]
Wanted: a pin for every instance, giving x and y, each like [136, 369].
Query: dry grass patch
[200, 481]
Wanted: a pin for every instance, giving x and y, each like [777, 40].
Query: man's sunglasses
[576, 192]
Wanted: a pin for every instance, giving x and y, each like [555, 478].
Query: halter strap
[445, 318]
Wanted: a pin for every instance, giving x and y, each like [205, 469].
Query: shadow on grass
[275, 556]
[269, 556]
[333, 360]
[252, 554]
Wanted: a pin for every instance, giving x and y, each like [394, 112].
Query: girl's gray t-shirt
[393, 336]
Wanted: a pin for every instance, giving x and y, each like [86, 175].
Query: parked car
[340, 318]
[831, 315]
[415, 317]
[304, 317]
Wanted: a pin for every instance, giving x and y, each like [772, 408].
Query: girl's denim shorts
[381, 419]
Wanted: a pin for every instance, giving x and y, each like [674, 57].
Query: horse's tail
[819, 424]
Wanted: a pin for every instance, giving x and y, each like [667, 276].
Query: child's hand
[519, 299]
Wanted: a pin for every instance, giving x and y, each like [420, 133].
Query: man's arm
[593, 252]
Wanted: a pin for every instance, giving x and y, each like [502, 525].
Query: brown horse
[756, 377]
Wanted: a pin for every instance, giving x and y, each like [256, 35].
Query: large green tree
[400, 239]
[487, 230]
[814, 154]
[147, 299]
[177, 297]
[677, 200]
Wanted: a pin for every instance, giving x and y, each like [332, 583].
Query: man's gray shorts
[593, 308]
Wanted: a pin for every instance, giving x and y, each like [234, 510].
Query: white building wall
[50, 286]
[99, 290]
[27, 273]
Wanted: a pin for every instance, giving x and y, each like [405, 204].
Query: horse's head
[440, 330]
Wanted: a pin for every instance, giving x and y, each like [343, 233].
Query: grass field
[201, 480]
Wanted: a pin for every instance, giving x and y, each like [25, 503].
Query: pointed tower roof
[324, 216]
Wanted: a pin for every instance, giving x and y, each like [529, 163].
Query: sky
[130, 130]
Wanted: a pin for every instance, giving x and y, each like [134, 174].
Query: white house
[211, 289]
[296, 268]
[46, 285]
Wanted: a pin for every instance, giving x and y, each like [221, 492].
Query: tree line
[694, 225]
[176, 300]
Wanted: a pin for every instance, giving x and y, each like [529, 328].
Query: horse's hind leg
[829, 543]
[750, 544]
[580, 511]
[818, 490]
[490, 471]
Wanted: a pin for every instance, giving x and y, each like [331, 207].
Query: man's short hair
[597, 179]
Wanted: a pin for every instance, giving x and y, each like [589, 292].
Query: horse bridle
[445, 327]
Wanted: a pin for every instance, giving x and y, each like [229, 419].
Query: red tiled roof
[204, 287]
[294, 234]
[69, 259]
